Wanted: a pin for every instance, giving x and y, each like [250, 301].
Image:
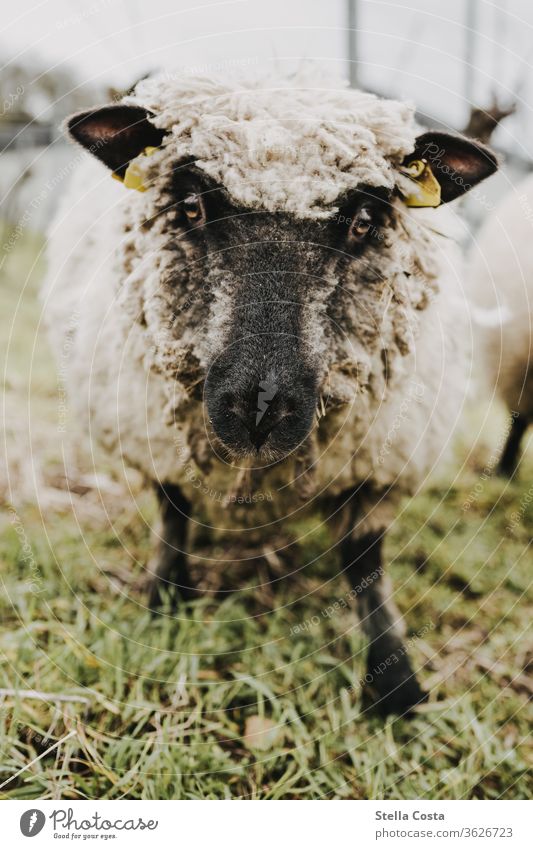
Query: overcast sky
[412, 48]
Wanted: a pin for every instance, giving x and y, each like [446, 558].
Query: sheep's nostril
[229, 402]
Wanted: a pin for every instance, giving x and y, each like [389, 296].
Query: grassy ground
[235, 698]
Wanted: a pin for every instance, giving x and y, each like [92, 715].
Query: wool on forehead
[291, 144]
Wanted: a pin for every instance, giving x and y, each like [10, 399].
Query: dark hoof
[398, 697]
[506, 472]
[160, 592]
[391, 681]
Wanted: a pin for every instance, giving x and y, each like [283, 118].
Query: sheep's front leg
[389, 672]
[511, 452]
[171, 570]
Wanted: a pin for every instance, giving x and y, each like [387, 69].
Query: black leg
[389, 673]
[509, 459]
[171, 573]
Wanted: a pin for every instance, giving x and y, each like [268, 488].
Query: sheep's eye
[193, 208]
[361, 224]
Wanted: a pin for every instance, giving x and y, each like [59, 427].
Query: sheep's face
[275, 285]
[260, 294]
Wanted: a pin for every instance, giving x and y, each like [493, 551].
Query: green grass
[164, 704]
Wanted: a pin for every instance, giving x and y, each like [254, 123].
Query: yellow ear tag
[427, 192]
[134, 177]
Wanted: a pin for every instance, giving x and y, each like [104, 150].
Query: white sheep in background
[501, 280]
[270, 320]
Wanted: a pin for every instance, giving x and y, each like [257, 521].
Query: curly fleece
[142, 323]
[288, 145]
[501, 281]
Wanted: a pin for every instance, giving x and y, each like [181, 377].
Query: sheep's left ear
[457, 163]
[115, 134]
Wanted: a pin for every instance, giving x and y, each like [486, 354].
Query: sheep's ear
[457, 163]
[115, 134]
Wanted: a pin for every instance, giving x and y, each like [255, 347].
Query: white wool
[291, 145]
[501, 283]
[491, 317]
[281, 144]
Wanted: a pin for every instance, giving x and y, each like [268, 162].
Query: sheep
[501, 280]
[274, 321]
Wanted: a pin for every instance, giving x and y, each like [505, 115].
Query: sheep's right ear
[115, 134]
[456, 165]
